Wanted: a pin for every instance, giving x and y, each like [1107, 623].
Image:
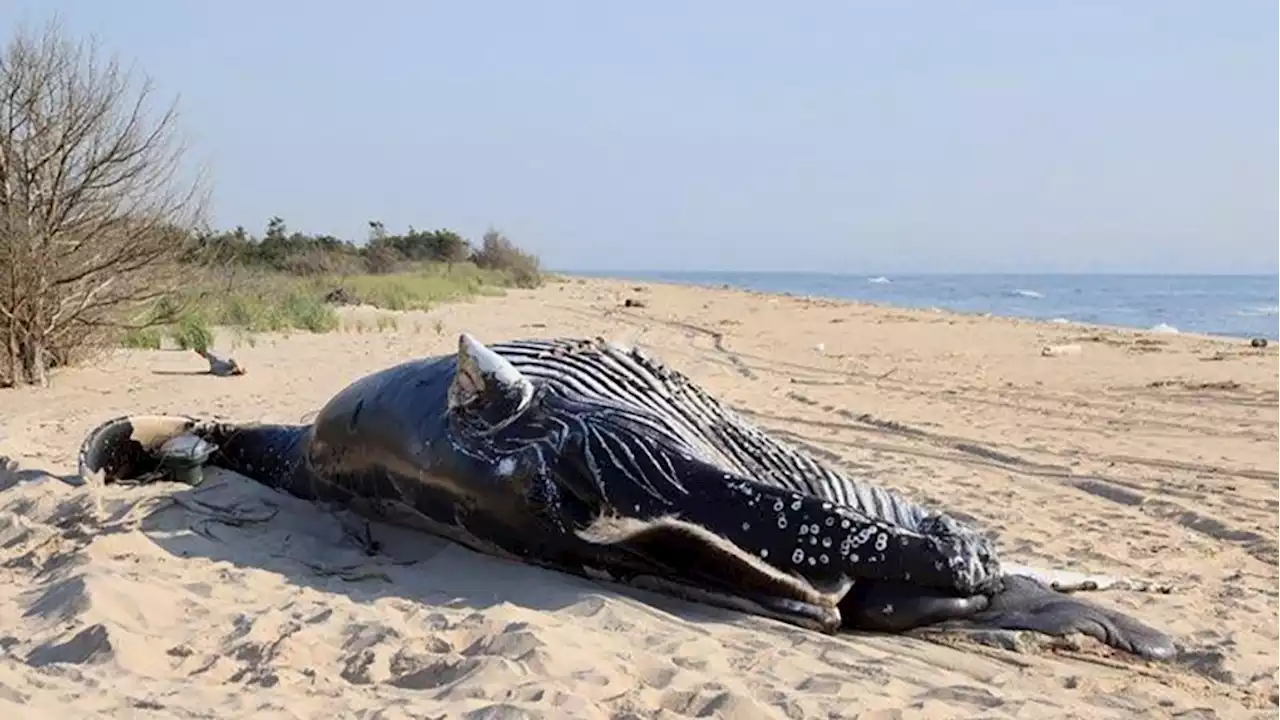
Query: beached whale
[593, 458]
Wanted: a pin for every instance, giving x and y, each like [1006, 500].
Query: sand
[1140, 454]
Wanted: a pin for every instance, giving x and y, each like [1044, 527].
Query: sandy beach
[1131, 453]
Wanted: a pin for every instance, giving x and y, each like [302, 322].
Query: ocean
[1231, 305]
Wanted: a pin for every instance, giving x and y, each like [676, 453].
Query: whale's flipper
[669, 555]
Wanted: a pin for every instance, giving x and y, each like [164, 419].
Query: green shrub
[150, 338]
[192, 332]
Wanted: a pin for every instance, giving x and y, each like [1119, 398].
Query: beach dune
[1144, 455]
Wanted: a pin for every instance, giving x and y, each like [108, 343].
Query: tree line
[383, 252]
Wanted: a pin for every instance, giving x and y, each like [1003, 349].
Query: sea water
[1232, 305]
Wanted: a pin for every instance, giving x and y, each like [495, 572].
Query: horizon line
[950, 273]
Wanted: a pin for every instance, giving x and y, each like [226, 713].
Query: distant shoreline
[627, 274]
[1181, 304]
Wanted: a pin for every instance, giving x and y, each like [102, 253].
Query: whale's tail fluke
[137, 448]
[149, 448]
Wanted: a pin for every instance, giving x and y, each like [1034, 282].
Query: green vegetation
[285, 284]
[424, 287]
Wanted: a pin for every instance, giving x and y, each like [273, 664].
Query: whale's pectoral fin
[487, 389]
[1027, 604]
[676, 557]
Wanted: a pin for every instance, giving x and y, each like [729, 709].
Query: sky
[860, 136]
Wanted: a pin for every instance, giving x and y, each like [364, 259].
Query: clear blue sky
[858, 136]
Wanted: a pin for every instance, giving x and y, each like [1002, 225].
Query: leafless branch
[94, 208]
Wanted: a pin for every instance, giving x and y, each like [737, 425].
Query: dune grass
[423, 288]
[251, 303]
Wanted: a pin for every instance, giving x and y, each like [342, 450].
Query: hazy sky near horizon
[857, 136]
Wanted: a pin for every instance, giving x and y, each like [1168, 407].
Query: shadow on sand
[12, 474]
[235, 520]
[181, 372]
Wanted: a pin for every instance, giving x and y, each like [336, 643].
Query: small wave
[1164, 328]
[1026, 293]
[1260, 311]
[879, 280]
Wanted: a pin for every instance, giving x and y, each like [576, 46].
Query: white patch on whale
[506, 466]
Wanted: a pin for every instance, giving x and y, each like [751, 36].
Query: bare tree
[94, 211]
[498, 253]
